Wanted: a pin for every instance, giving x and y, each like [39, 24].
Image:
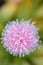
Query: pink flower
[20, 38]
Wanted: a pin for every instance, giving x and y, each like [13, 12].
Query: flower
[20, 38]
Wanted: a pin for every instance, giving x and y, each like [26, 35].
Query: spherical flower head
[20, 38]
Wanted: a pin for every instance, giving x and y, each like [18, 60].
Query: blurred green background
[22, 9]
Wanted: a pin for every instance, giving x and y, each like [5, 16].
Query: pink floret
[20, 38]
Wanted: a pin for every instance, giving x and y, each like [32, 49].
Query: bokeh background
[22, 9]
